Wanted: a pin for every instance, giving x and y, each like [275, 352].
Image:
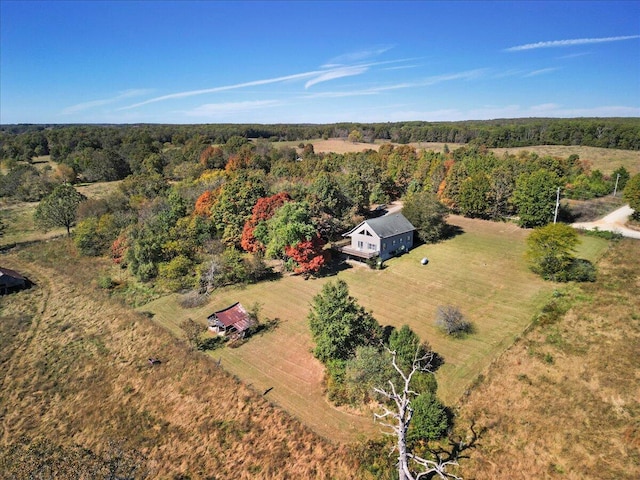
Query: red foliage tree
[262, 211]
[309, 255]
[119, 249]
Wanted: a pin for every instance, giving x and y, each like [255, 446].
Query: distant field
[18, 217]
[342, 145]
[604, 159]
[482, 271]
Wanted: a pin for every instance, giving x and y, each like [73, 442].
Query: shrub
[582, 270]
[451, 321]
[193, 299]
[105, 282]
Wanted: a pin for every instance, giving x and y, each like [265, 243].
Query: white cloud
[569, 43]
[191, 93]
[357, 56]
[227, 108]
[541, 71]
[336, 73]
[105, 101]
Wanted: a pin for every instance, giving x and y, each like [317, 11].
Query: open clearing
[18, 216]
[481, 270]
[604, 159]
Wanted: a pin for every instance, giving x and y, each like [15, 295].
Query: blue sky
[316, 62]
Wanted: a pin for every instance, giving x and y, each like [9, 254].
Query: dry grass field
[342, 145]
[564, 402]
[18, 216]
[604, 159]
[482, 271]
[74, 370]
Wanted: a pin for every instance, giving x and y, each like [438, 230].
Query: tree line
[24, 142]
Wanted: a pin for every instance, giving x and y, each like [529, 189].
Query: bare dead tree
[398, 420]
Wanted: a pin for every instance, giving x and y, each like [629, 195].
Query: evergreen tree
[339, 325]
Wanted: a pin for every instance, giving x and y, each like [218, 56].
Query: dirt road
[614, 222]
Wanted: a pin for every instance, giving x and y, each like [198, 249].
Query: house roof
[234, 316]
[387, 226]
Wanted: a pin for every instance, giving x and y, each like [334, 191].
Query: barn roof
[387, 226]
[11, 273]
[11, 278]
[234, 316]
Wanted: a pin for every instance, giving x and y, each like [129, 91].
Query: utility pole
[615, 189]
[555, 215]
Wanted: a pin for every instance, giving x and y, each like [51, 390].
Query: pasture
[18, 216]
[604, 159]
[482, 271]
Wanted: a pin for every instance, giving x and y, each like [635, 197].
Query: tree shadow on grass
[333, 268]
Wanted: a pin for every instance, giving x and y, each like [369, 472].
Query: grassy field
[604, 159]
[564, 402]
[18, 216]
[75, 371]
[481, 270]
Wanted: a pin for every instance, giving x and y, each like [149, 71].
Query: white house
[384, 237]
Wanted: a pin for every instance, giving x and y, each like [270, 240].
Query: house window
[408, 238]
[360, 244]
[393, 242]
[372, 246]
[401, 240]
[384, 246]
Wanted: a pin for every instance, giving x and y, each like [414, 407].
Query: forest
[199, 207]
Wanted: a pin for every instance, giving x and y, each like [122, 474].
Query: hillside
[76, 372]
[563, 402]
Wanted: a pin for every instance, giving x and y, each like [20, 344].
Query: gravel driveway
[614, 222]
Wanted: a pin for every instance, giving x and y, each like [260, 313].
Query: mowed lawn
[481, 271]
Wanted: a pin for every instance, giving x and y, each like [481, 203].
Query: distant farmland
[481, 270]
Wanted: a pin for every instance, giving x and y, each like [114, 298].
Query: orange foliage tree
[212, 157]
[204, 203]
[262, 211]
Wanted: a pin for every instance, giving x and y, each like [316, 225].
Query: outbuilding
[11, 280]
[233, 319]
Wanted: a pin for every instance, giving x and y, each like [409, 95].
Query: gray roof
[388, 225]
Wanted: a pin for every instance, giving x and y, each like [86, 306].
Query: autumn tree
[59, 209]
[290, 225]
[212, 157]
[234, 204]
[309, 255]
[262, 211]
[204, 203]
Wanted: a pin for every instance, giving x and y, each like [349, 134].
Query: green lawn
[481, 271]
